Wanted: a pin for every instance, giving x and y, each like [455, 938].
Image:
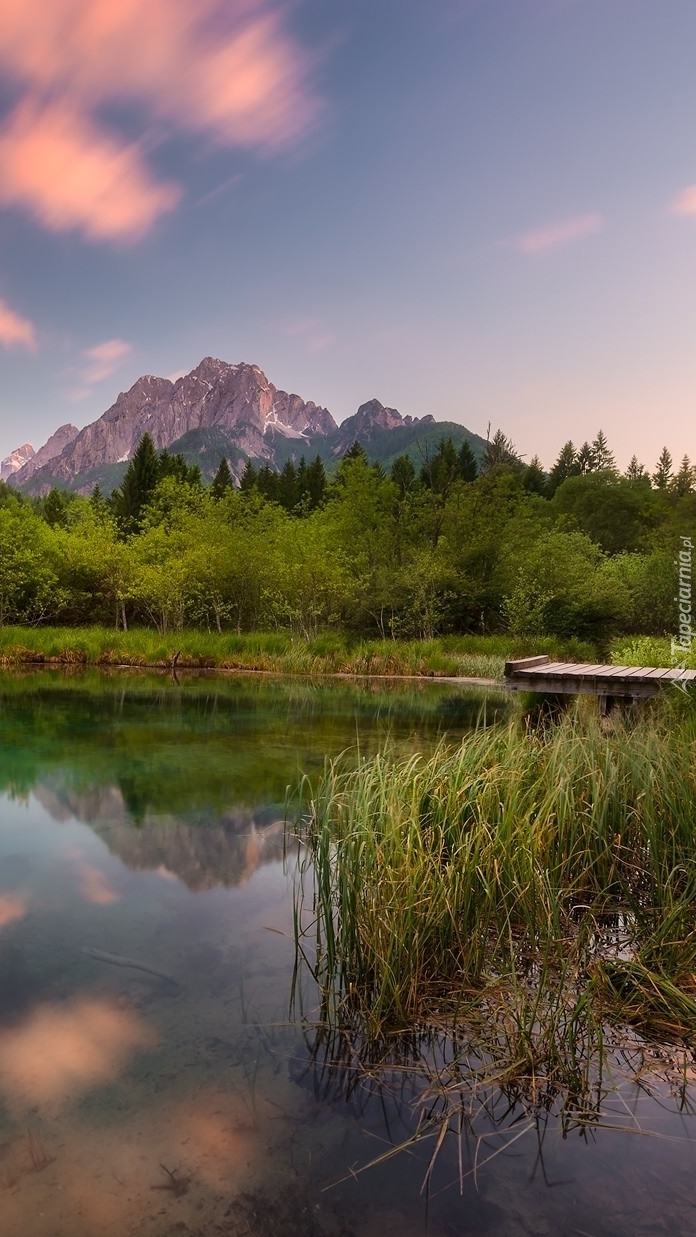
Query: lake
[155, 1076]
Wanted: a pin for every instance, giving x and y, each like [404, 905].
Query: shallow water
[152, 1080]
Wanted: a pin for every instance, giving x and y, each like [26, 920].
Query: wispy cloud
[15, 330]
[685, 202]
[223, 68]
[559, 234]
[98, 363]
[103, 359]
[312, 332]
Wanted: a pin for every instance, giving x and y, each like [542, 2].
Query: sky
[480, 209]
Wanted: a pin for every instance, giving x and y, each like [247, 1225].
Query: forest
[456, 545]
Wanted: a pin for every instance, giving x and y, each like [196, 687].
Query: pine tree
[55, 508]
[683, 482]
[603, 458]
[316, 483]
[301, 481]
[586, 459]
[636, 471]
[466, 461]
[138, 485]
[403, 474]
[248, 478]
[566, 466]
[663, 472]
[287, 486]
[222, 481]
[267, 483]
[356, 452]
[500, 455]
[534, 477]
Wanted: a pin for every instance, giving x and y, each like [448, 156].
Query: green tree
[617, 514]
[316, 483]
[222, 481]
[138, 486]
[403, 474]
[602, 458]
[468, 465]
[636, 471]
[249, 478]
[500, 455]
[566, 465]
[663, 471]
[534, 477]
[683, 482]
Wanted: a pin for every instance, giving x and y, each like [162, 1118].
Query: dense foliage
[457, 545]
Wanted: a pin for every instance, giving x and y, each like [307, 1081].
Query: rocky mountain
[218, 409]
[50, 451]
[18, 458]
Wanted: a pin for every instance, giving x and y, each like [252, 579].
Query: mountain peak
[217, 408]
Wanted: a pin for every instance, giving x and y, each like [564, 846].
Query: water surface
[142, 822]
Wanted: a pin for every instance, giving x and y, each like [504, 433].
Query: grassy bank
[548, 875]
[329, 653]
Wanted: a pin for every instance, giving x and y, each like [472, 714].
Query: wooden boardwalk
[540, 674]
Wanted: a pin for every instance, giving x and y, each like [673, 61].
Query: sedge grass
[525, 903]
[434, 878]
[332, 652]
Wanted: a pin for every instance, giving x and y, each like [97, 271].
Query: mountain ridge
[217, 409]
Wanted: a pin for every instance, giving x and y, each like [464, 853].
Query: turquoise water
[153, 1080]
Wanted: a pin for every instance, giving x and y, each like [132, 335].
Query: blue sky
[479, 209]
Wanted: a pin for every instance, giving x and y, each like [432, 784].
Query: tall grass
[511, 922]
[558, 864]
[330, 652]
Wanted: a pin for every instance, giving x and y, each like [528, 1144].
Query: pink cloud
[685, 202]
[558, 235]
[14, 329]
[103, 359]
[223, 68]
[13, 906]
[70, 175]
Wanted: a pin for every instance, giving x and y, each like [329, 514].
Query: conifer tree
[222, 481]
[466, 461]
[403, 474]
[534, 477]
[586, 459]
[356, 452]
[636, 471]
[500, 455]
[663, 472]
[267, 483]
[248, 478]
[138, 485]
[316, 483]
[287, 486]
[603, 458]
[566, 466]
[683, 482]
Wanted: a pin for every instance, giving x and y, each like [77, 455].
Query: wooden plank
[525, 663]
[606, 672]
[628, 673]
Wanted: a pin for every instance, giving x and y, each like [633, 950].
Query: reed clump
[549, 875]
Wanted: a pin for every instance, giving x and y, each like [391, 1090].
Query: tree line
[455, 544]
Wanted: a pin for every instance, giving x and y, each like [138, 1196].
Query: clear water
[141, 822]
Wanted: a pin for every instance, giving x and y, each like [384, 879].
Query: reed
[556, 866]
[331, 652]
